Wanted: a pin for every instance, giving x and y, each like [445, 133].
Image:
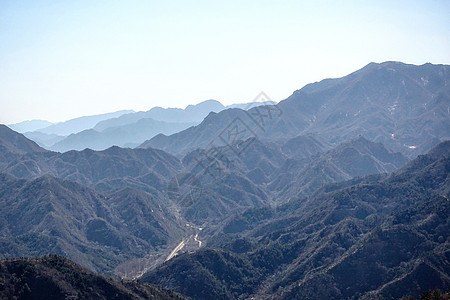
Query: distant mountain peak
[29, 125]
[79, 124]
[212, 103]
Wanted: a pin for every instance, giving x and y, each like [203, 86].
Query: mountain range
[124, 128]
[340, 191]
[30, 125]
[361, 238]
[79, 124]
[405, 107]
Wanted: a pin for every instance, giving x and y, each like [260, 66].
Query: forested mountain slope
[54, 277]
[368, 237]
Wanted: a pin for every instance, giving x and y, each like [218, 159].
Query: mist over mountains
[341, 191]
[124, 128]
[31, 125]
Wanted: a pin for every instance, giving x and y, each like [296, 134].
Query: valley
[340, 191]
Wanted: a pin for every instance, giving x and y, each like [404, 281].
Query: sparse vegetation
[314, 205]
[54, 277]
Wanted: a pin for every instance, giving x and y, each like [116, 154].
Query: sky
[64, 59]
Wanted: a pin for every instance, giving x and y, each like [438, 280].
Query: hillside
[49, 215]
[106, 170]
[12, 142]
[389, 230]
[13, 145]
[358, 157]
[54, 277]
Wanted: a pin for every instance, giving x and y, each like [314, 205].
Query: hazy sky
[63, 59]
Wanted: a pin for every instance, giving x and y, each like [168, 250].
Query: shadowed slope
[54, 277]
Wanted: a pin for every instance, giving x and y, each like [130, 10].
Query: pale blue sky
[63, 59]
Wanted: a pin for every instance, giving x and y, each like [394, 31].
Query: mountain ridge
[127, 135]
[308, 247]
[54, 277]
[80, 123]
[49, 215]
[315, 188]
[403, 106]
